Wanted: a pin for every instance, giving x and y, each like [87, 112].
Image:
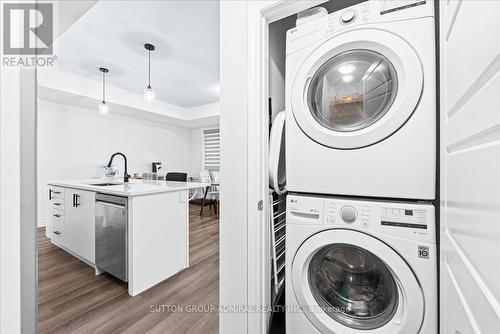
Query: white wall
[75, 143]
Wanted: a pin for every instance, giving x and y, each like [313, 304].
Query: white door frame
[244, 190]
[261, 14]
[10, 204]
[18, 271]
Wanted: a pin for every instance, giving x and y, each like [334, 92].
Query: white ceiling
[112, 34]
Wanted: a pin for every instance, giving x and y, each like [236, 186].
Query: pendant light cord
[103, 87]
[149, 68]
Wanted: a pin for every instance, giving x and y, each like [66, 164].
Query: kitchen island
[156, 230]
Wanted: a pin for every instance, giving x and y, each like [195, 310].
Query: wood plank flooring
[73, 300]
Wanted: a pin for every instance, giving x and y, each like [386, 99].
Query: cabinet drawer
[58, 232]
[58, 203]
[56, 192]
[57, 216]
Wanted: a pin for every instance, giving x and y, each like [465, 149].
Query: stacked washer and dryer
[361, 171]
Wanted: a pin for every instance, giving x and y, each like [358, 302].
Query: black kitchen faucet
[125, 175]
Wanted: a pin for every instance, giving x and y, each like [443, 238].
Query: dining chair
[216, 176]
[195, 193]
[215, 189]
[176, 176]
[181, 177]
[209, 192]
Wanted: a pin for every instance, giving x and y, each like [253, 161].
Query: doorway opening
[128, 169]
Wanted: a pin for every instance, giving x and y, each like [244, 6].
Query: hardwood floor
[73, 300]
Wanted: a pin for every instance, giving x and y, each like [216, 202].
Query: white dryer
[361, 102]
[360, 267]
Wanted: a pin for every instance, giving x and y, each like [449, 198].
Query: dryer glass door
[352, 90]
[356, 88]
[353, 286]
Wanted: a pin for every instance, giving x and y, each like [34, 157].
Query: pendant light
[149, 94]
[103, 106]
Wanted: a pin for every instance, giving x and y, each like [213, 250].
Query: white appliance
[277, 164]
[361, 102]
[355, 266]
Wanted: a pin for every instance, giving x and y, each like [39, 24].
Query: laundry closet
[351, 226]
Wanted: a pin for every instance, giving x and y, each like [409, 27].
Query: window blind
[212, 149]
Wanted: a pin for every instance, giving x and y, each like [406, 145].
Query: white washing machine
[355, 266]
[361, 102]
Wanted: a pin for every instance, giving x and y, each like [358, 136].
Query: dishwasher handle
[118, 206]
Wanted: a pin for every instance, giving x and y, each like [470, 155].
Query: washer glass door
[347, 281]
[353, 286]
[352, 90]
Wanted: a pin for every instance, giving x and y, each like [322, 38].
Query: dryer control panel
[365, 14]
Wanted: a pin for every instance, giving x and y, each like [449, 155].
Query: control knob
[349, 214]
[348, 16]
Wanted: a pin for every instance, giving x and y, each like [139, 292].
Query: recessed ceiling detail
[112, 34]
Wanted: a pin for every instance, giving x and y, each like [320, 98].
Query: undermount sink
[104, 184]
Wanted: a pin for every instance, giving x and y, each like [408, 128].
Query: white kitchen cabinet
[71, 221]
[79, 223]
[157, 228]
[53, 229]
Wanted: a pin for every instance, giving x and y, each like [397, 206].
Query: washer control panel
[412, 220]
[404, 217]
[391, 6]
[399, 217]
[347, 214]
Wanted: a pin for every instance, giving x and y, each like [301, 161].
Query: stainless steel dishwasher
[111, 220]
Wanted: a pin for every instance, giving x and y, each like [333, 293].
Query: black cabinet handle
[76, 200]
[56, 192]
[57, 232]
[56, 203]
[50, 194]
[57, 215]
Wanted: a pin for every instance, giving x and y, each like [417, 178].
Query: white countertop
[132, 188]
